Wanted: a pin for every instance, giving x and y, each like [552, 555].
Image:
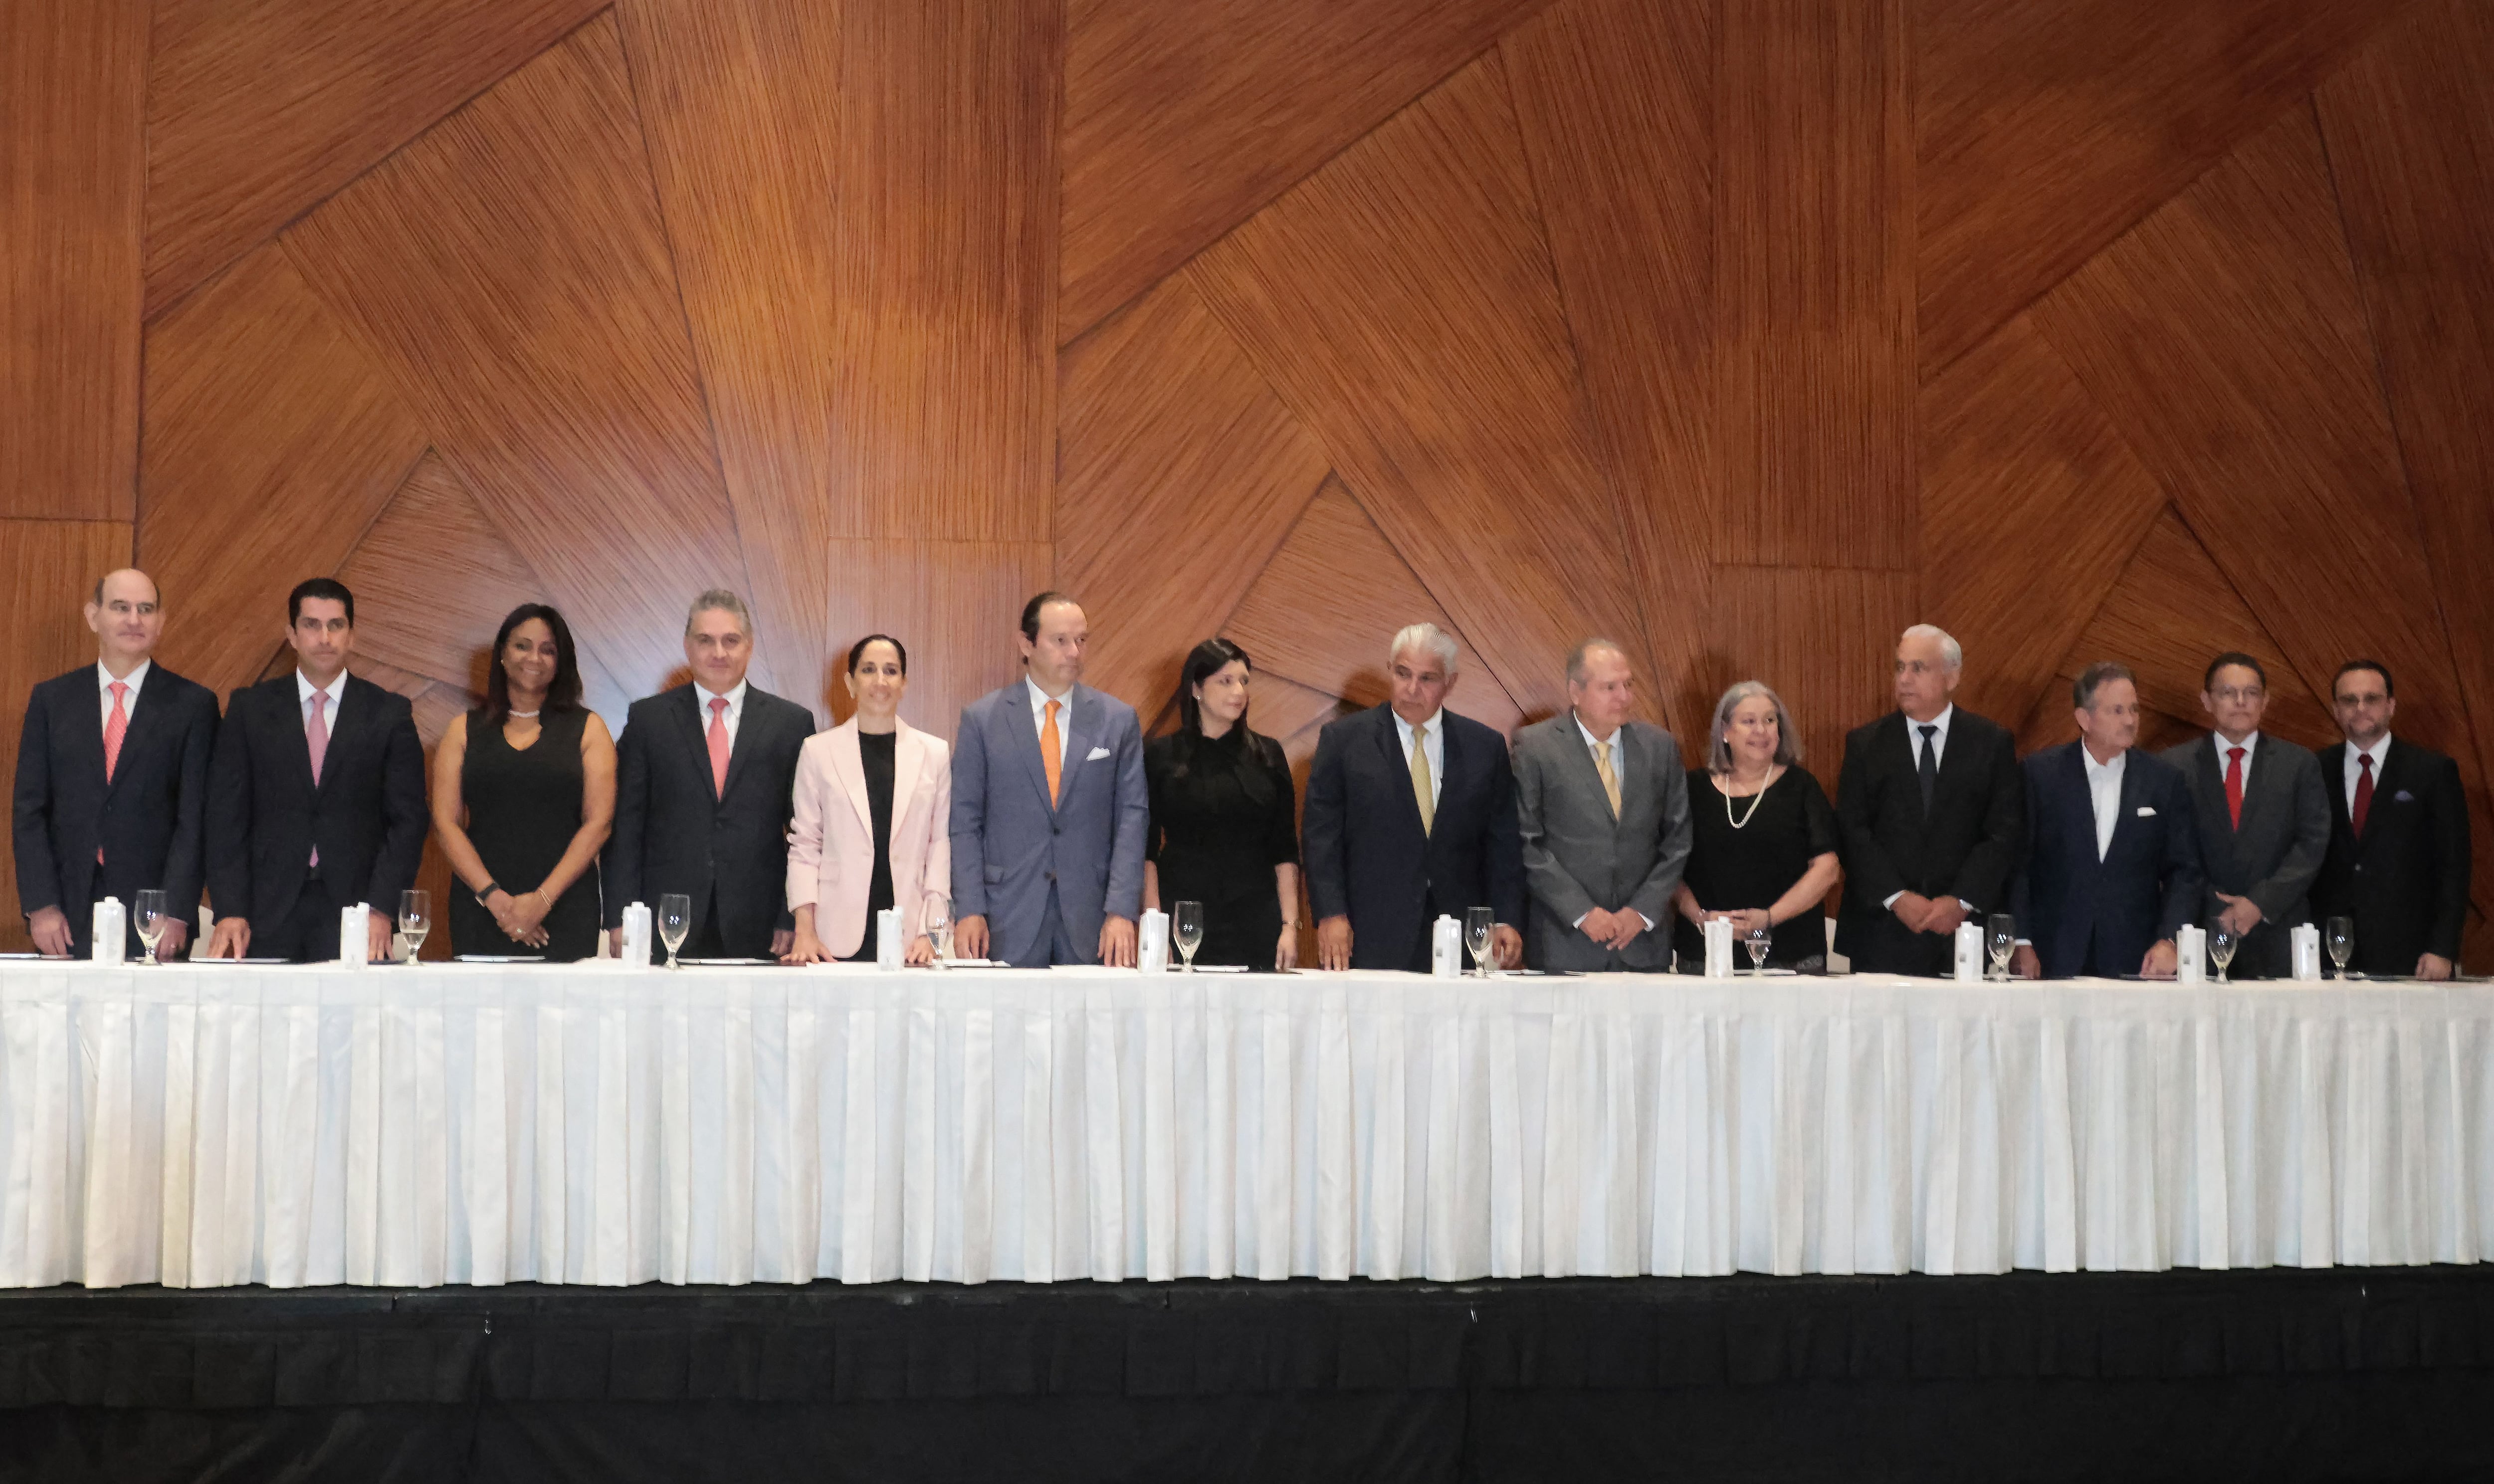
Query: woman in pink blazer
[875, 803]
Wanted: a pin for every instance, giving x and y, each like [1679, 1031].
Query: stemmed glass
[2339, 934]
[1186, 931]
[2001, 941]
[939, 929]
[1758, 940]
[1478, 923]
[415, 919]
[2222, 942]
[674, 923]
[147, 915]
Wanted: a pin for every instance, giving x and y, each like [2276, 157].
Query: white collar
[2250, 743]
[2114, 767]
[1403, 728]
[1039, 698]
[1947, 715]
[2376, 751]
[734, 697]
[1591, 740]
[105, 682]
[304, 689]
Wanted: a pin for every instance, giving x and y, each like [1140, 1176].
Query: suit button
[1052, 878]
[1056, 829]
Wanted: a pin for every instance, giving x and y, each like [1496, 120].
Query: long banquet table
[204, 1124]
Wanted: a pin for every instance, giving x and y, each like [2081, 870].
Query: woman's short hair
[1202, 663]
[857, 652]
[1718, 753]
[562, 693]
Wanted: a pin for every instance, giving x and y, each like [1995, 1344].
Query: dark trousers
[306, 934]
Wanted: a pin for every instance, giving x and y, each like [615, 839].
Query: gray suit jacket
[1576, 857]
[2274, 858]
[1010, 848]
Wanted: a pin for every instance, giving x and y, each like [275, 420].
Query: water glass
[675, 924]
[2001, 941]
[938, 912]
[1758, 940]
[2222, 943]
[2338, 935]
[415, 919]
[1478, 923]
[1186, 931]
[147, 917]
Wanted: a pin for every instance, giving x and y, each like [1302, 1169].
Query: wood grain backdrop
[1744, 333]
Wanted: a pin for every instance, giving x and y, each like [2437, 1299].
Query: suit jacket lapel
[86, 723]
[1025, 737]
[696, 739]
[1082, 720]
[1590, 776]
[1390, 745]
[747, 742]
[141, 716]
[848, 764]
[905, 746]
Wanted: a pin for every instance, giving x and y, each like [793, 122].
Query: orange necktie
[1050, 753]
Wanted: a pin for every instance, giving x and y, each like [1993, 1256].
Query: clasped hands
[1928, 914]
[521, 918]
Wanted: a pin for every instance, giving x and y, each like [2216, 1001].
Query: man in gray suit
[2263, 818]
[1050, 810]
[1603, 807]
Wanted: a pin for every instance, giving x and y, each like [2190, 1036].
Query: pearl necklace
[1743, 823]
[526, 716]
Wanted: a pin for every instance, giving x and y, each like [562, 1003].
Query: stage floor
[2376, 1374]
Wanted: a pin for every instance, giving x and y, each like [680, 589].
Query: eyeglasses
[2238, 694]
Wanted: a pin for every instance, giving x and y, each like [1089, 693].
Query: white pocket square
[2144, 812]
[1097, 753]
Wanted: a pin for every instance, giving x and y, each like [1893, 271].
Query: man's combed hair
[719, 600]
[326, 589]
[1429, 639]
[2082, 690]
[2208, 680]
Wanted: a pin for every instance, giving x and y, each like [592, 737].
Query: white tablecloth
[210, 1125]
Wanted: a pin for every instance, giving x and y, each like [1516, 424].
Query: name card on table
[636, 935]
[1446, 947]
[1969, 953]
[1719, 948]
[110, 927]
[888, 946]
[2305, 940]
[1152, 941]
[354, 936]
[2191, 956]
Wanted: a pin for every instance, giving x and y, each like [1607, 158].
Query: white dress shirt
[335, 690]
[735, 700]
[2104, 794]
[2378, 753]
[105, 682]
[1039, 699]
[1939, 757]
[1591, 746]
[2251, 750]
[1435, 747]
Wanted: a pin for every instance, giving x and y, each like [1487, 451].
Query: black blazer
[1967, 848]
[674, 832]
[150, 821]
[264, 816]
[1367, 857]
[2144, 889]
[2406, 881]
[2274, 855]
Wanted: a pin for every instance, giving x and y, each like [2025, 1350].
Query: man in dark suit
[1410, 815]
[316, 800]
[2113, 860]
[1602, 806]
[2398, 836]
[1931, 813]
[112, 781]
[1051, 811]
[2263, 815]
[705, 784]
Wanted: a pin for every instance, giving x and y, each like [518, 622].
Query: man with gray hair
[1410, 815]
[705, 775]
[1931, 813]
[1603, 810]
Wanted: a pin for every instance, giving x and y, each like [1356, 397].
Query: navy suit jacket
[150, 821]
[1367, 857]
[1009, 846]
[367, 814]
[2144, 889]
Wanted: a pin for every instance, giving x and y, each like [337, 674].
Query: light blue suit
[1045, 877]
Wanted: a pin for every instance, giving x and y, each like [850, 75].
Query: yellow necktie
[1051, 753]
[1610, 778]
[1421, 793]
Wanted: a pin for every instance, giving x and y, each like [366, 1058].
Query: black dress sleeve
[1156, 771]
[1819, 816]
[1281, 819]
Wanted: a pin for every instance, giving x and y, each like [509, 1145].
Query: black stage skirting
[2341, 1373]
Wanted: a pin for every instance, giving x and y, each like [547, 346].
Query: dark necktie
[1930, 767]
[2363, 793]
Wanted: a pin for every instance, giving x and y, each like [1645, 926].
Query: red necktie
[316, 735]
[2363, 793]
[2234, 784]
[718, 747]
[116, 727]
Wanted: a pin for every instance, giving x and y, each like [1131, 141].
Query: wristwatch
[487, 890]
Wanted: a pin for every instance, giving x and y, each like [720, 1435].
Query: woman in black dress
[1225, 829]
[1764, 846]
[523, 797]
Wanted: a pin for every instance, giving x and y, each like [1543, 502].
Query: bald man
[112, 779]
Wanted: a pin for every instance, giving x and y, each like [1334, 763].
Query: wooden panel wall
[1744, 334]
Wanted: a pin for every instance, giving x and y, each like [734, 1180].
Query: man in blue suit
[2112, 856]
[1049, 811]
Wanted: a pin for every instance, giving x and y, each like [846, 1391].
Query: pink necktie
[718, 746]
[316, 732]
[116, 727]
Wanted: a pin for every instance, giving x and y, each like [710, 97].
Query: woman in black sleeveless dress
[1224, 829]
[522, 798]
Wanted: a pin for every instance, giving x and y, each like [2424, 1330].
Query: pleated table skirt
[198, 1124]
